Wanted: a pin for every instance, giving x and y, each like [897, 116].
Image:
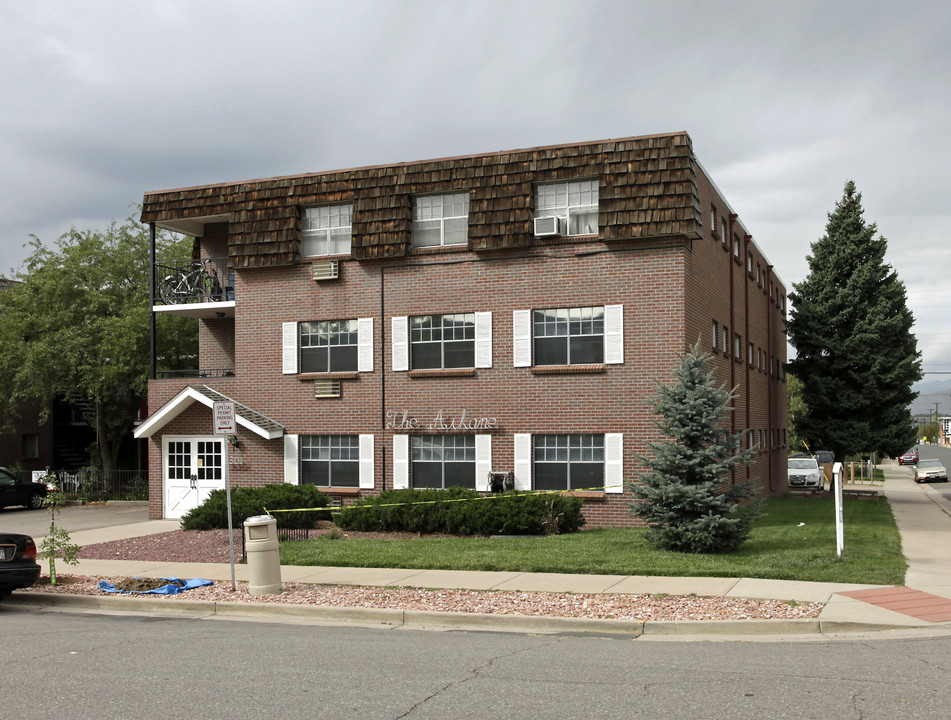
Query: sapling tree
[57, 543]
[687, 497]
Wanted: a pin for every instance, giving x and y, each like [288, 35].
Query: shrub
[461, 511]
[249, 501]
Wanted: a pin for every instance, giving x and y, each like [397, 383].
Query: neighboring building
[427, 324]
[944, 430]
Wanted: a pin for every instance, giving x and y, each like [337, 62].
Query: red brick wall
[670, 290]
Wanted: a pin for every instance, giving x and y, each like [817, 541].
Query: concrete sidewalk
[922, 514]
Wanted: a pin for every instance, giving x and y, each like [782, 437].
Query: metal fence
[91, 485]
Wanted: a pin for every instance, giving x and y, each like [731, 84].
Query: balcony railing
[195, 281]
[203, 373]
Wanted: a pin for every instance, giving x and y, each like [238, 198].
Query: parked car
[929, 470]
[18, 566]
[825, 457]
[803, 471]
[909, 458]
[14, 491]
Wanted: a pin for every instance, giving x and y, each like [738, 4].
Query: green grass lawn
[780, 548]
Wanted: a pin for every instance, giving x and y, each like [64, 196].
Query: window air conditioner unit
[326, 388]
[326, 270]
[549, 226]
[501, 481]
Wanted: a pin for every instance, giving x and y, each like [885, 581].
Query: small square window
[327, 230]
[440, 220]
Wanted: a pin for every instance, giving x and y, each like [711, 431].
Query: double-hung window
[575, 203]
[442, 341]
[344, 461]
[330, 460]
[568, 336]
[442, 461]
[440, 220]
[328, 346]
[327, 230]
[569, 462]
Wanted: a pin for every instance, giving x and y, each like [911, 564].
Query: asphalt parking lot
[72, 517]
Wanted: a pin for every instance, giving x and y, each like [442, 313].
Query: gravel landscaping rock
[211, 546]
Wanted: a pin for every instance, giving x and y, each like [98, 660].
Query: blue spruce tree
[687, 498]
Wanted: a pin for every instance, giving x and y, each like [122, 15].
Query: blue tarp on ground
[172, 588]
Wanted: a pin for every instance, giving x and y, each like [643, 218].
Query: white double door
[192, 467]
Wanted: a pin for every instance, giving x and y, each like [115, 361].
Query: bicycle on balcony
[199, 283]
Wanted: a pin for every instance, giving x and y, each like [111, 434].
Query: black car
[14, 491]
[18, 566]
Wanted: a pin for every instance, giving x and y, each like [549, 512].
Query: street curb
[425, 619]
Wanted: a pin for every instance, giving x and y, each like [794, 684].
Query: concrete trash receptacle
[264, 560]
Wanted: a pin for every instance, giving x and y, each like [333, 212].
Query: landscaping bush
[460, 511]
[249, 501]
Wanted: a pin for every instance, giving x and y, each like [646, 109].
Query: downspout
[382, 379]
[769, 375]
[731, 348]
[152, 328]
[746, 332]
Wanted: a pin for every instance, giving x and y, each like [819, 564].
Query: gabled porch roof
[251, 419]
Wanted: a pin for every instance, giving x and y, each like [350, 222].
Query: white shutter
[483, 339]
[289, 348]
[613, 334]
[614, 462]
[400, 343]
[365, 344]
[400, 462]
[522, 338]
[366, 462]
[523, 461]
[483, 461]
[291, 465]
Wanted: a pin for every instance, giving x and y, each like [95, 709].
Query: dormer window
[327, 230]
[575, 204]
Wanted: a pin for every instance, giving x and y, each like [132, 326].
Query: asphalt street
[72, 517]
[99, 667]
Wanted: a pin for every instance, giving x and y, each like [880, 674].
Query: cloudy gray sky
[104, 100]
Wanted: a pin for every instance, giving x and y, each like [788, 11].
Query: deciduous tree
[76, 325]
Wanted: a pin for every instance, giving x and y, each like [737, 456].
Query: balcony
[196, 288]
[202, 373]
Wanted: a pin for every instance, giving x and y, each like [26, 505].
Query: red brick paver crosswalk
[917, 604]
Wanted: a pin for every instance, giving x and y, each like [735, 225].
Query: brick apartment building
[433, 323]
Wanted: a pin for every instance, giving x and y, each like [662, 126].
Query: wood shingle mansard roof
[648, 188]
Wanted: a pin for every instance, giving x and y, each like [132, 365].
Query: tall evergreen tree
[855, 353]
[686, 498]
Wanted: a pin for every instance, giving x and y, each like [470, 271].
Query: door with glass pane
[192, 468]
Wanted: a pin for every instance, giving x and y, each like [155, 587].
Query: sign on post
[223, 413]
[224, 418]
